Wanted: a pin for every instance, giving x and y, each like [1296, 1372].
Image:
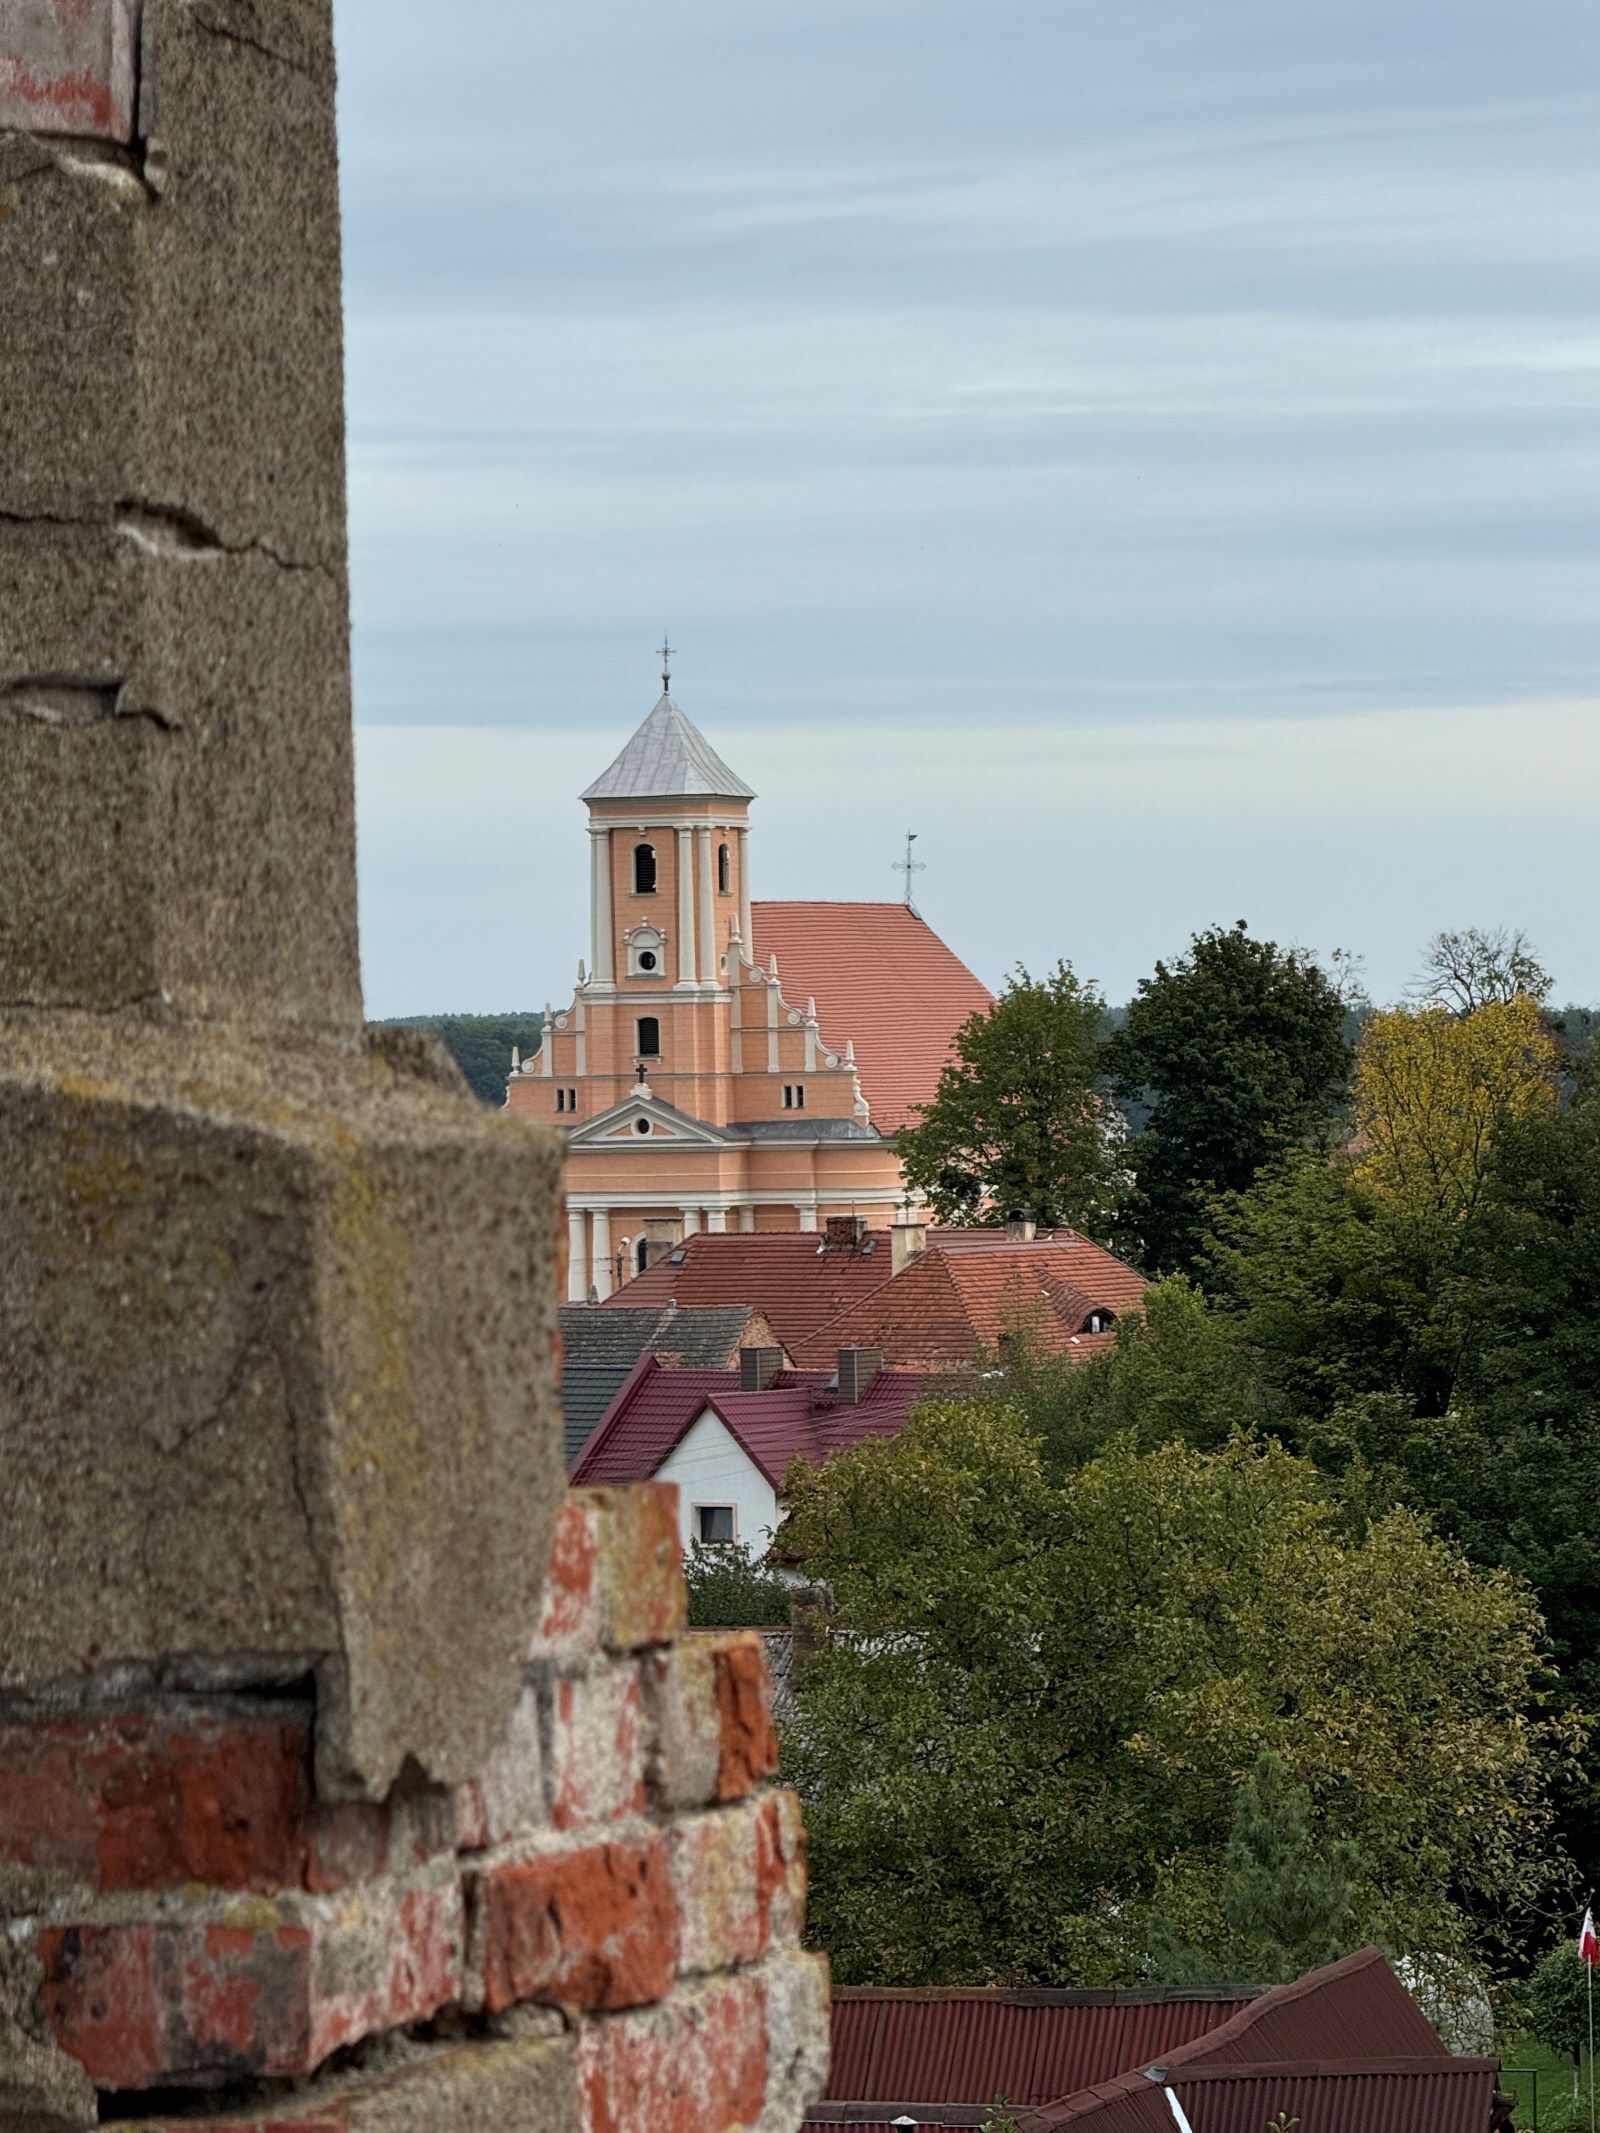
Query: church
[727, 1064]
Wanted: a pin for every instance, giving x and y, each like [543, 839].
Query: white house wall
[710, 1466]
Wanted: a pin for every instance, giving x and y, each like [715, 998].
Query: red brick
[739, 1877]
[570, 1620]
[641, 1565]
[596, 1746]
[590, 1928]
[749, 1740]
[162, 1798]
[696, 2064]
[685, 1732]
[263, 1993]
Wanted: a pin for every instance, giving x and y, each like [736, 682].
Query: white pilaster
[744, 895]
[808, 1215]
[716, 1219]
[577, 1257]
[686, 955]
[709, 972]
[772, 1024]
[691, 1220]
[747, 1220]
[600, 1270]
[600, 959]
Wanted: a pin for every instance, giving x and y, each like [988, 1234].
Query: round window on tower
[647, 959]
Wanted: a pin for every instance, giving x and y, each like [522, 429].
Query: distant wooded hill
[480, 1045]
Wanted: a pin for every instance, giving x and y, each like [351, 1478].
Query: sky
[1148, 449]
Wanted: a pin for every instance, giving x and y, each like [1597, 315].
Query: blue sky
[1150, 450]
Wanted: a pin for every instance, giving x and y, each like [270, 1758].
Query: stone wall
[599, 1932]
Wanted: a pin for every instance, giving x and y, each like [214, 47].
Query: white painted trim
[1180, 2118]
[697, 1200]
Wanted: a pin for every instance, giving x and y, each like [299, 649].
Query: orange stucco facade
[692, 1091]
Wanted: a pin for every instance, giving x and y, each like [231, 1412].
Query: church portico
[700, 1087]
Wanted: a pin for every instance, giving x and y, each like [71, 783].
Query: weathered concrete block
[68, 67]
[279, 1329]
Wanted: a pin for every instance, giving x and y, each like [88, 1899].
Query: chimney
[842, 1233]
[1021, 1229]
[907, 1241]
[857, 1369]
[758, 1367]
[661, 1233]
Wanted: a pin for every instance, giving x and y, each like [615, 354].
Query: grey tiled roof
[666, 757]
[804, 1129]
[587, 1390]
[599, 1348]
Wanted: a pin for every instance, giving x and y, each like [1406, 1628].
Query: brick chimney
[758, 1367]
[843, 1233]
[907, 1241]
[1021, 1229]
[857, 1369]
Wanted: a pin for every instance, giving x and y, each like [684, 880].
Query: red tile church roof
[882, 979]
[794, 1278]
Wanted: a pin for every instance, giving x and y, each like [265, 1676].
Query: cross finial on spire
[666, 664]
[909, 867]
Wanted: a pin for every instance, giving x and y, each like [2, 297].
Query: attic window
[794, 1096]
[649, 1036]
[1100, 1320]
[714, 1525]
[641, 1125]
[724, 871]
[644, 870]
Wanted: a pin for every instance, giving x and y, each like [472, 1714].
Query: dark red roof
[882, 980]
[959, 1298]
[969, 2047]
[794, 1278]
[797, 1417]
[1426, 2095]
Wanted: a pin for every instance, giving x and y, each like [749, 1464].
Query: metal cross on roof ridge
[666, 664]
[909, 866]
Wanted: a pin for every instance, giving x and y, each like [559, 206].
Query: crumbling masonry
[321, 1805]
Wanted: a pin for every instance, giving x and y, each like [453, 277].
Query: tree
[1239, 1050]
[1286, 1899]
[1470, 967]
[729, 1589]
[481, 1045]
[1015, 1125]
[1023, 1738]
[1556, 1998]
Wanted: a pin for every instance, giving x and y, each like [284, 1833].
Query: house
[727, 1438]
[726, 1064]
[1343, 2050]
[927, 1299]
[599, 1349]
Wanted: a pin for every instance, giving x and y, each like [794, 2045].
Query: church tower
[698, 1088]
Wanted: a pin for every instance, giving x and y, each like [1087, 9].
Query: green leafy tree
[730, 1589]
[1238, 1049]
[1286, 1897]
[481, 1045]
[1024, 1736]
[1556, 2002]
[1015, 1125]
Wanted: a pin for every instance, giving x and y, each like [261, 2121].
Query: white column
[709, 973]
[686, 959]
[808, 1216]
[745, 926]
[717, 1219]
[691, 1220]
[600, 1264]
[747, 1220]
[577, 1257]
[600, 963]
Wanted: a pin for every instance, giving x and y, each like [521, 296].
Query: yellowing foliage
[1432, 1089]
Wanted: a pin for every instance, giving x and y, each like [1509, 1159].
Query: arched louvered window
[649, 1046]
[724, 871]
[644, 870]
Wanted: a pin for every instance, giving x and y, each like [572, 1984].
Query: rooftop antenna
[910, 867]
[666, 665]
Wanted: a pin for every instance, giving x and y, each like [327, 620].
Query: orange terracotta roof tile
[882, 980]
[794, 1278]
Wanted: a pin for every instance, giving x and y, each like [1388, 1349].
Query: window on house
[644, 870]
[794, 1096]
[641, 1255]
[649, 1033]
[714, 1525]
[1099, 1321]
[724, 871]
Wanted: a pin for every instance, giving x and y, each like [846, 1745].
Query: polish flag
[1589, 1942]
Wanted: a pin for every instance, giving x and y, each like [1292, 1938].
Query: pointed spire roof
[668, 756]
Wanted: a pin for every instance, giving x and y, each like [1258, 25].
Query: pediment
[640, 1122]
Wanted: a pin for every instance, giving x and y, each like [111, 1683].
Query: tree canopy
[1015, 1125]
[1023, 1742]
[481, 1045]
[1238, 1048]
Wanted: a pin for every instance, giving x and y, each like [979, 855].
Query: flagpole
[1589, 1967]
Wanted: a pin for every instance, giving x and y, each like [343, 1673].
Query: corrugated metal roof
[669, 757]
[1419, 2096]
[969, 2047]
[883, 981]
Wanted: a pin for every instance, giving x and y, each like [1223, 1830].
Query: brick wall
[599, 1933]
